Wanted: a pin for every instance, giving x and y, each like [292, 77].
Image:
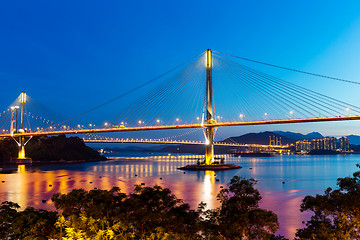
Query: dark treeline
[47, 149]
[147, 213]
[155, 213]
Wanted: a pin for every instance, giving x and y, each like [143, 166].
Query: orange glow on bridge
[184, 126]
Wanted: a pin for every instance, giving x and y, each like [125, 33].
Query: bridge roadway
[184, 126]
[185, 142]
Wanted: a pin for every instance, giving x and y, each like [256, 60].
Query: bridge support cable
[165, 101]
[271, 95]
[244, 98]
[302, 94]
[290, 69]
[319, 97]
[5, 120]
[180, 135]
[276, 93]
[234, 100]
[227, 138]
[141, 86]
[265, 108]
[268, 96]
[175, 101]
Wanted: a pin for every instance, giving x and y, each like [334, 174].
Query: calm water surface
[303, 175]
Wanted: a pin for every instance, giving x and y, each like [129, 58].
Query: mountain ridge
[299, 136]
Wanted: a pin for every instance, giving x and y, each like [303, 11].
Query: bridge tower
[21, 159]
[209, 146]
[22, 143]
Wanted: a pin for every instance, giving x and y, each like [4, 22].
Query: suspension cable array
[177, 100]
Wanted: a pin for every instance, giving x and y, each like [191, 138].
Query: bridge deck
[185, 142]
[197, 125]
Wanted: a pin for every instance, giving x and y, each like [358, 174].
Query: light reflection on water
[302, 175]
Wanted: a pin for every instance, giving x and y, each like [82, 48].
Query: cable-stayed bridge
[185, 98]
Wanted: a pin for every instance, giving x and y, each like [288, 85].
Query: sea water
[283, 180]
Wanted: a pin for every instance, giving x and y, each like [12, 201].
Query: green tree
[239, 216]
[34, 224]
[336, 214]
[149, 212]
[95, 203]
[8, 149]
[71, 203]
[8, 212]
[150, 208]
[28, 224]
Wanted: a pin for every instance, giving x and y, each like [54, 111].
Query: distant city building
[317, 144]
[344, 144]
[328, 143]
[303, 146]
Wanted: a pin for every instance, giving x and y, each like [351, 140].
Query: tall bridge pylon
[21, 142]
[209, 147]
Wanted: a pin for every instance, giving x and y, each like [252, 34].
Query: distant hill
[250, 138]
[299, 136]
[259, 138]
[354, 139]
[51, 149]
[356, 148]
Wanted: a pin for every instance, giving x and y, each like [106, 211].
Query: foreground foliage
[239, 216]
[336, 214]
[28, 224]
[147, 213]
[155, 213]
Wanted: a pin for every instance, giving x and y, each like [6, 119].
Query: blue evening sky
[73, 55]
